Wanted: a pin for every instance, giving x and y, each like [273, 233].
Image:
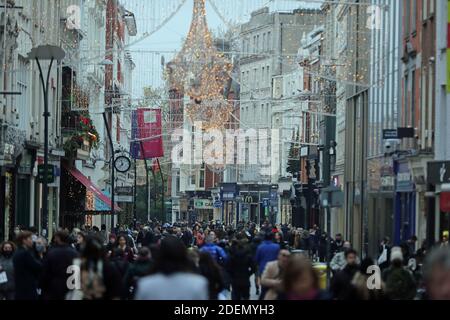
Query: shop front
[204, 209]
[84, 203]
[230, 209]
[438, 178]
[381, 189]
[405, 203]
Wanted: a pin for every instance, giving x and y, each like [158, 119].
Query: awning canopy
[91, 187]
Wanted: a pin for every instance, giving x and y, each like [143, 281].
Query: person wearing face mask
[40, 247]
[7, 270]
[27, 268]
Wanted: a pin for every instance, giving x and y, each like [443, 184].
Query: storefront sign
[438, 172]
[203, 204]
[404, 178]
[390, 134]
[121, 198]
[126, 191]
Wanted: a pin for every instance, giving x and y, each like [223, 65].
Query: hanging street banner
[147, 129]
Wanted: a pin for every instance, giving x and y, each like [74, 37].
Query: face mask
[40, 248]
[7, 254]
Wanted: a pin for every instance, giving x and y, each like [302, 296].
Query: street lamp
[52, 53]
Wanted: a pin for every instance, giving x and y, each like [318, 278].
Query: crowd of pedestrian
[212, 261]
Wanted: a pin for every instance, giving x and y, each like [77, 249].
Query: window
[405, 101]
[264, 48]
[201, 177]
[257, 44]
[423, 111]
[261, 114]
[268, 75]
[414, 16]
[430, 111]
[22, 100]
[177, 183]
[413, 100]
[263, 76]
[269, 41]
[407, 17]
[424, 9]
[192, 178]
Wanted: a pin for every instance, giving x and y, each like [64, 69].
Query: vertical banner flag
[149, 134]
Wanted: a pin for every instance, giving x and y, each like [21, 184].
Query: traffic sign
[217, 204]
[50, 173]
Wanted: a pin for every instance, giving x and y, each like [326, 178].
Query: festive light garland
[201, 72]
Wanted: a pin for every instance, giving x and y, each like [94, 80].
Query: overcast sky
[171, 35]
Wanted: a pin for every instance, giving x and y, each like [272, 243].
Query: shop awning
[91, 187]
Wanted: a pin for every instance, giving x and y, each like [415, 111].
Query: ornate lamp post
[52, 53]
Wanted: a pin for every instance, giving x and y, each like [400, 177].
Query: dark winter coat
[240, 266]
[341, 287]
[54, 277]
[27, 269]
[400, 283]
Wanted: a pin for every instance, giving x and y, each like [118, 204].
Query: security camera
[390, 146]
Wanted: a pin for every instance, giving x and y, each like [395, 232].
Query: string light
[201, 72]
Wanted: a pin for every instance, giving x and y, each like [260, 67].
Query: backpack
[400, 284]
[92, 285]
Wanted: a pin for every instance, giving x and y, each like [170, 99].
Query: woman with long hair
[301, 281]
[100, 280]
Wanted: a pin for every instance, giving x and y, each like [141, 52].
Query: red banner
[444, 201]
[150, 133]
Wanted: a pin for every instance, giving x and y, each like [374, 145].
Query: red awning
[91, 187]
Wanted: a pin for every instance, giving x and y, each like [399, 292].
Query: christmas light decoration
[202, 72]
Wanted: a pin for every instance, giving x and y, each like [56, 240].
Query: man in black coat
[27, 268]
[56, 264]
[341, 284]
[240, 266]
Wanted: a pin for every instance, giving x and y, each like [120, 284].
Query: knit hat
[396, 254]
